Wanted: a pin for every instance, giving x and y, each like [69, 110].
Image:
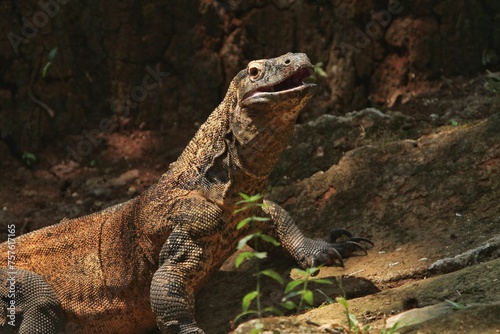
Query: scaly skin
[139, 264]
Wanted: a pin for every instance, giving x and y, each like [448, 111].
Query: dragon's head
[270, 95]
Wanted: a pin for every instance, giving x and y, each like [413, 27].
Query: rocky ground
[420, 179]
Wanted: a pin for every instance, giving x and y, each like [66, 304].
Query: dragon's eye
[253, 71]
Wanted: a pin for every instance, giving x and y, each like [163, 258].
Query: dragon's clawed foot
[314, 253]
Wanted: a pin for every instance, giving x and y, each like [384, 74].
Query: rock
[318, 144]
[405, 320]
[489, 250]
[476, 318]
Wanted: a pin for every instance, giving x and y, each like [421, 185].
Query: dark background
[105, 47]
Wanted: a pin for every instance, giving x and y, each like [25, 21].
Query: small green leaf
[455, 305]
[268, 238]
[260, 255]
[353, 321]
[327, 299]
[312, 271]
[322, 281]
[45, 69]
[247, 300]
[273, 310]
[392, 330]
[318, 70]
[256, 330]
[244, 196]
[289, 305]
[274, 275]
[249, 199]
[342, 301]
[302, 273]
[291, 294]
[243, 223]
[243, 241]
[242, 257]
[292, 285]
[258, 327]
[255, 198]
[308, 297]
[52, 54]
[243, 314]
[243, 201]
[29, 158]
[260, 219]
[241, 209]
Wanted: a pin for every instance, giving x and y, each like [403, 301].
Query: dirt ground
[417, 207]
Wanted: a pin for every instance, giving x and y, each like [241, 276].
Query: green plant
[493, 81]
[352, 321]
[52, 55]
[249, 203]
[305, 294]
[28, 158]
[328, 299]
[318, 72]
[455, 305]
[391, 330]
[296, 288]
[354, 326]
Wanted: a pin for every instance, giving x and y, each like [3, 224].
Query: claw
[357, 245]
[339, 257]
[313, 265]
[347, 248]
[339, 232]
[335, 255]
[358, 239]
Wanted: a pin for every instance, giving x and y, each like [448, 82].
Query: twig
[32, 97]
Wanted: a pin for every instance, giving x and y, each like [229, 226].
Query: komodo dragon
[139, 264]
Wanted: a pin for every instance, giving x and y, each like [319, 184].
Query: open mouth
[297, 79]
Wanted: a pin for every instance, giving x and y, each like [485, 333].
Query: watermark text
[11, 274]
